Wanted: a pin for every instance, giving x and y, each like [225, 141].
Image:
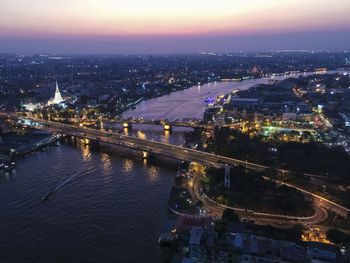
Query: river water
[114, 213]
[152, 132]
[190, 103]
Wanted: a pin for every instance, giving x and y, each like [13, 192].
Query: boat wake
[72, 177]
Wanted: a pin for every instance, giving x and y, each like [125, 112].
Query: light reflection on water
[166, 137]
[126, 131]
[128, 165]
[106, 162]
[153, 132]
[85, 150]
[141, 135]
[153, 173]
[96, 218]
[190, 103]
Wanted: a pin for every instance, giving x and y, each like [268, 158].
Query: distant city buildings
[128, 78]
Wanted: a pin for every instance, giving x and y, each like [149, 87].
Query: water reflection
[190, 103]
[153, 173]
[141, 135]
[128, 165]
[166, 136]
[7, 175]
[126, 131]
[145, 162]
[106, 162]
[155, 132]
[85, 149]
[125, 196]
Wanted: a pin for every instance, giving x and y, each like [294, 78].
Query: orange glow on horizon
[156, 17]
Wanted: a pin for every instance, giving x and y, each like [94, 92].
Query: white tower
[58, 98]
[227, 181]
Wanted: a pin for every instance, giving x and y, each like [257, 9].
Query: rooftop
[196, 235]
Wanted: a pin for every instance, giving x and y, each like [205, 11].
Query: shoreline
[188, 102]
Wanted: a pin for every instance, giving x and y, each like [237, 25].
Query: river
[190, 103]
[112, 214]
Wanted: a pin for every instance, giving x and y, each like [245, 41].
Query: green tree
[200, 203]
[338, 237]
[229, 215]
[295, 233]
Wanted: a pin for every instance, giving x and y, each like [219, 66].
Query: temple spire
[58, 98]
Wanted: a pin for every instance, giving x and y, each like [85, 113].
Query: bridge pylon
[227, 181]
[127, 125]
[167, 127]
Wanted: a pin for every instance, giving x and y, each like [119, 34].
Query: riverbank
[190, 102]
[17, 145]
[192, 192]
[114, 213]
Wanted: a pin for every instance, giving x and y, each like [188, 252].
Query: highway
[156, 122]
[177, 152]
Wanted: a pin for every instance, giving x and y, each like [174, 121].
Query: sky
[179, 26]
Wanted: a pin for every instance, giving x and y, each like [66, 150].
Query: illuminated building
[58, 98]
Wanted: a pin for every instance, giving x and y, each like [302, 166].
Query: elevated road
[151, 146]
[157, 122]
[177, 152]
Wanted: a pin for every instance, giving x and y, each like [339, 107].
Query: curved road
[263, 218]
[178, 152]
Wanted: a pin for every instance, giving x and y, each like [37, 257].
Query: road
[216, 209]
[152, 122]
[177, 152]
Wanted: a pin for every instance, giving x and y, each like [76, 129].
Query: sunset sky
[117, 26]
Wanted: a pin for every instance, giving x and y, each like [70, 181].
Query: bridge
[151, 147]
[166, 124]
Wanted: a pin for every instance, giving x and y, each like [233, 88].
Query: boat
[45, 198]
[209, 99]
[9, 167]
[165, 239]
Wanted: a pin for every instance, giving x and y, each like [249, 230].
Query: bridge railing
[223, 159]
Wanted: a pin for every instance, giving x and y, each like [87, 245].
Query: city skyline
[157, 27]
[192, 131]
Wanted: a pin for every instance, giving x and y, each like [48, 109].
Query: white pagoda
[58, 98]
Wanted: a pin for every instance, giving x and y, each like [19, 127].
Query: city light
[221, 129]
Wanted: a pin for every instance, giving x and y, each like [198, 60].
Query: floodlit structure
[58, 98]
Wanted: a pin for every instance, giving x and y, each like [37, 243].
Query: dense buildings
[279, 129]
[114, 82]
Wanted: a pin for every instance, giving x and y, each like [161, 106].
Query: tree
[229, 215]
[220, 226]
[295, 233]
[337, 237]
[200, 203]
